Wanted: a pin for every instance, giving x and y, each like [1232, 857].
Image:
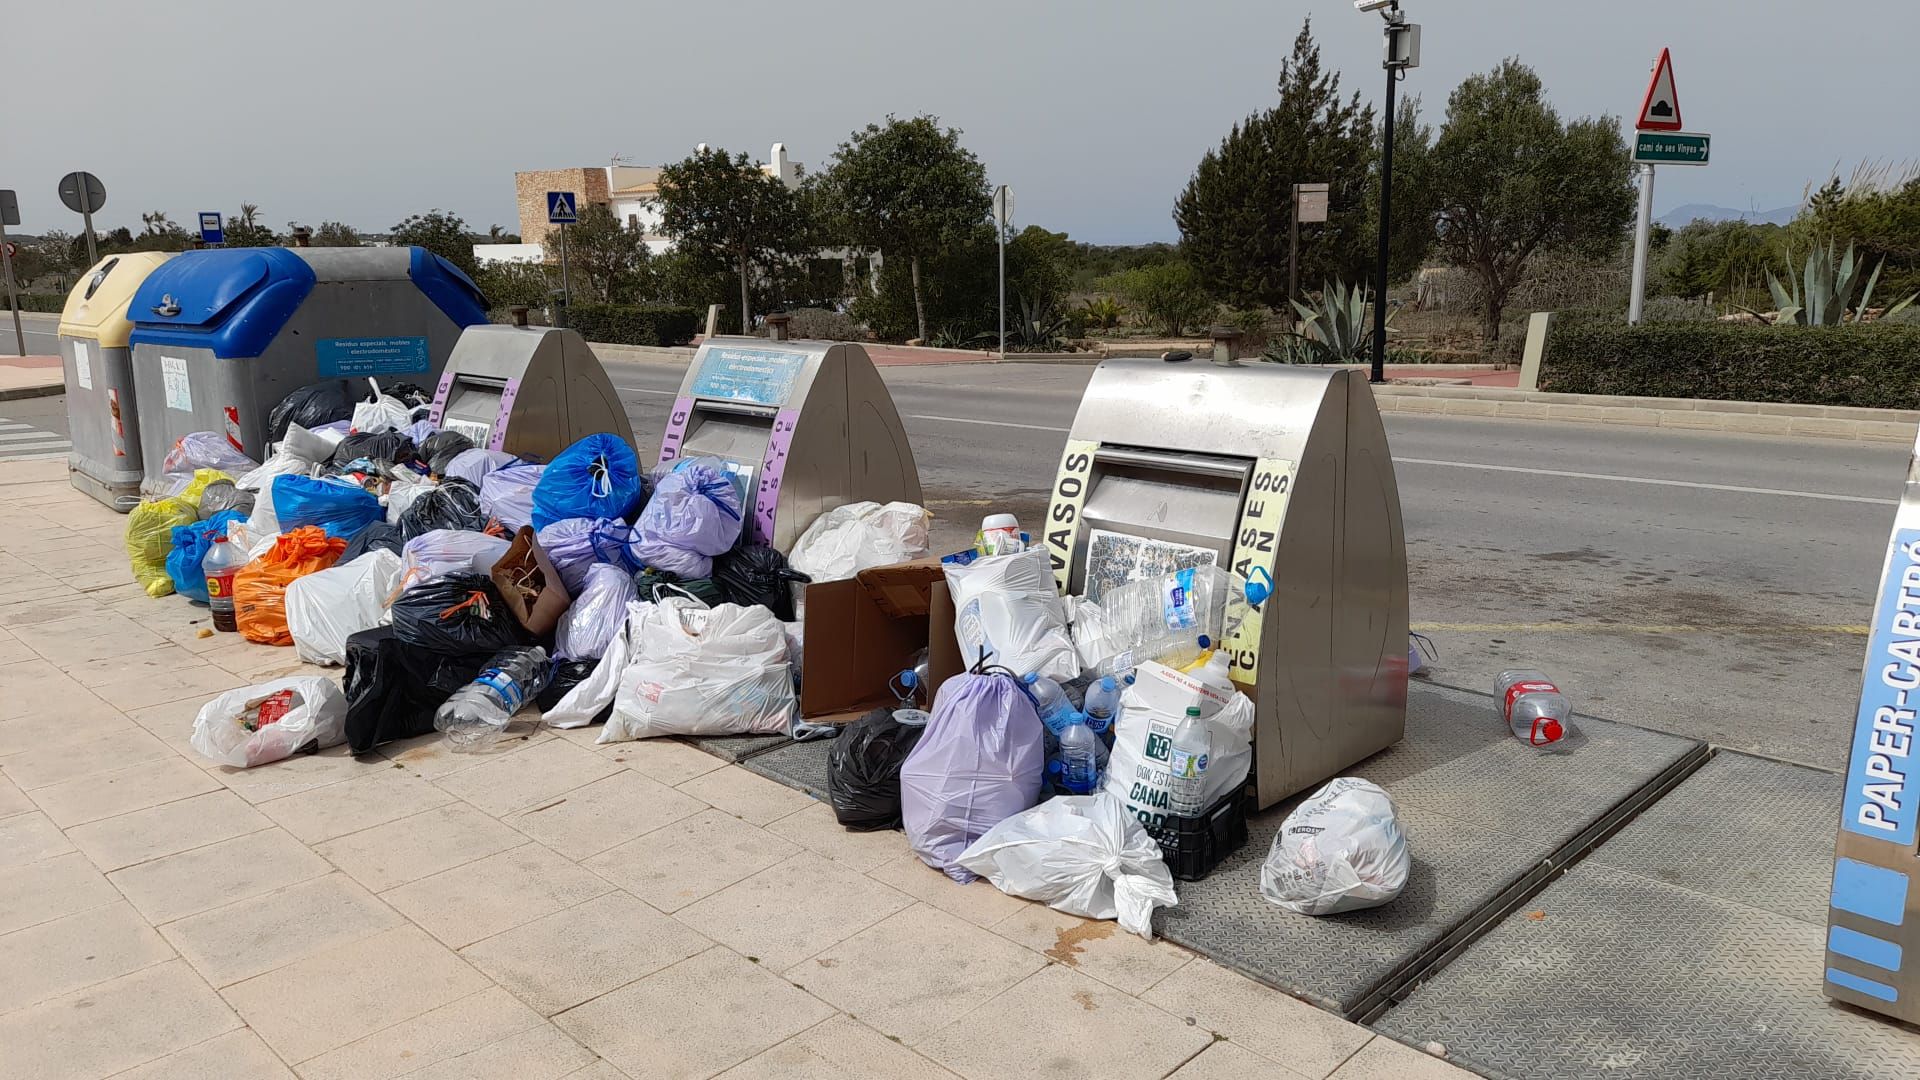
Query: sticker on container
[478, 433]
[757, 376]
[1256, 546]
[173, 373]
[82, 366]
[349, 357]
[1062, 528]
[232, 416]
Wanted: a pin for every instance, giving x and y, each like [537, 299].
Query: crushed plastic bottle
[1535, 709]
[474, 717]
[1055, 710]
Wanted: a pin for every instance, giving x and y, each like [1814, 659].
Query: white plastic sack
[595, 692]
[1081, 854]
[1007, 606]
[325, 607]
[381, 415]
[296, 455]
[403, 492]
[474, 465]
[596, 615]
[702, 671]
[848, 539]
[317, 720]
[1150, 710]
[440, 552]
[1341, 850]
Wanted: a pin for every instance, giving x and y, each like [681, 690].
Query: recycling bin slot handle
[1232, 470]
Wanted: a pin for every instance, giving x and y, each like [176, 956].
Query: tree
[728, 208]
[907, 188]
[1235, 216]
[442, 232]
[1879, 215]
[156, 222]
[499, 235]
[1168, 294]
[335, 234]
[245, 229]
[1723, 257]
[1412, 235]
[612, 257]
[1509, 178]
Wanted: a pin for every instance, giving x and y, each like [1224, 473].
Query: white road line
[987, 423]
[644, 390]
[1697, 485]
[34, 457]
[19, 436]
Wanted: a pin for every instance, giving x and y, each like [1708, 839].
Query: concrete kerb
[15, 393]
[1741, 417]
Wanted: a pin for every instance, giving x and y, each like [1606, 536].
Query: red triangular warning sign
[1661, 110]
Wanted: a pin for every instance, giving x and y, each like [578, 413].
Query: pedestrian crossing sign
[560, 208]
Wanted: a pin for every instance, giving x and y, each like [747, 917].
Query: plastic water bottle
[224, 561]
[1103, 701]
[1216, 673]
[1055, 710]
[1187, 766]
[478, 712]
[1536, 711]
[1079, 758]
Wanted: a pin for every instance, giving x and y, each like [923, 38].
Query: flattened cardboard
[861, 633]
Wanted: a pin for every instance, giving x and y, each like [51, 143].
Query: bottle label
[1186, 765]
[502, 686]
[1521, 689]
[1176, 603]
[219, 584]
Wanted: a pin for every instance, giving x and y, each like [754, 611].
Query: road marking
[1848, 629]
[1695, 484]
[26, 435]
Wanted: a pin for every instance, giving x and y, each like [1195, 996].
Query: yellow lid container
[97, 307]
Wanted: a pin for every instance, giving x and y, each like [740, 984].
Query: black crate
[1193, 846]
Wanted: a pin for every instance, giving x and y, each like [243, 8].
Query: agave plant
[1041, 327]
[1333, 331]
[1823, 294]
[1103, 311]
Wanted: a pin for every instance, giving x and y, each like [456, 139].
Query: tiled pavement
[553, 909]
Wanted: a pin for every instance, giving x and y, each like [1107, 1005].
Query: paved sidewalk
[553, 909]
[30, 376]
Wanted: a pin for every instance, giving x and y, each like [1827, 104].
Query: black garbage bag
[384, 448]
[374, 534]
[310, 407]
[393, 689]
[703, 589]
[412, 395]
[455, 504]
[222, 495]
[460, 613]
[568, 674]
[863, 771]
[440, 448]
[751, 574]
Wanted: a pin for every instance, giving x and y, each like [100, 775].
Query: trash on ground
[694, 514]
[1008, 612]
[1081, 854]
[476, 715]
[278, 719]
[697, 670]
[863, 769]
[980, 761]
[260, 587]
[327, 607]
[1536, 711]
[859, 536]
[1341, 850]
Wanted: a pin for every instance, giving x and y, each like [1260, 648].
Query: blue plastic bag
[597, 477]
[341, 508]
[695, 514]
[190, 546]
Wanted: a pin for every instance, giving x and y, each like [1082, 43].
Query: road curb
[1838, 422]
[15, 393]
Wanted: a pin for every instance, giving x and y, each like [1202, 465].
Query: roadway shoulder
[1848, 423]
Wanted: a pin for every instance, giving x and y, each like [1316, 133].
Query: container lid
[999, 521]
[232, 301]
[97, 307]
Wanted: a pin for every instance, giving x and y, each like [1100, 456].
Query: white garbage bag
[596, 615]
[383, 414]
[327, 606]
[1007, 607]
[1341, 850]
[1150, 710]
[581, 704]
[440, 552]
[702, 671]
[403, 492]
[848, 539]
[1081, 854]
[232, 729]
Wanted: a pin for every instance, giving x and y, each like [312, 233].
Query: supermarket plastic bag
[403, 492]
[394, 688]
[260, 588]
[341, 507]
[751, 574]
[453, 504]
[694, 514]
[309, 407]
[1008, 611]
[461, 613]
[222, 495]
[702, 671]
[327, 607]
[575, 545]
[981, 760]
[1341, 850]
[863, 770]
[597, 477]
[434, 555]
[193, 452]
[599, 611]
[848, 539]
[382, 414]
[257, 724]
[474, 465]
[591, 699]
[1081, 854]
[190, 546]
[149, 540]
[1150, 710]
[507, 493]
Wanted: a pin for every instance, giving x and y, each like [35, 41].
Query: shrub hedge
[1874, 365]
[53, 302]
[623, 324]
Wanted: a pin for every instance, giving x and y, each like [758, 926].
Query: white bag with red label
[257, 724]
[697, 670]
[1152, 708]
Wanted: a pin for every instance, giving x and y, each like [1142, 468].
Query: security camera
[1374, 5]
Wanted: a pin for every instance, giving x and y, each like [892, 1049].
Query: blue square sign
[560, 208]
[210, 230]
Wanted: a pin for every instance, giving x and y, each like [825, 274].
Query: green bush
[1874, 366]
[623, 324]
[54, 302]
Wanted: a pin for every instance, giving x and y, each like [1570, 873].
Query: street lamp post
[1402, 53]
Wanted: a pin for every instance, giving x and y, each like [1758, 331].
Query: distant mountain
[1684, 215]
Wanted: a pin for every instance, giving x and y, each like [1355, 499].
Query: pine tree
[1235, 214]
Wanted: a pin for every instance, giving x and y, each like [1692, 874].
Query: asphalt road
[36, 327]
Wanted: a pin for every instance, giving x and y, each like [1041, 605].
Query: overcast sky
[1095, 112]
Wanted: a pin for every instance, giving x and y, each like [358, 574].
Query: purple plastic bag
[507, 493]
[599, 610]
[474, 465]
[693, 516]
[574, 545]
[981, 761]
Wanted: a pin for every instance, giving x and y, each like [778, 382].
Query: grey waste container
[220, 336]
[103, 423]
[527, 390]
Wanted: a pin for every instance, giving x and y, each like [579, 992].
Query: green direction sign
[1670, 148]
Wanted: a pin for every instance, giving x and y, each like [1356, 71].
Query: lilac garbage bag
[599, 610]
[981, 761]
[574, 545]
[507, 493]
[474, 465]
[693, 516]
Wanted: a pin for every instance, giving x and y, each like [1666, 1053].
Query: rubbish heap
[1084, 755]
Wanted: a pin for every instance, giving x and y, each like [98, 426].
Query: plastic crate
[1193, 846]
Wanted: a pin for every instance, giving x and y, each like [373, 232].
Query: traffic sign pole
[566, 287]
[13, 300]
[563, 210]
[1641, 238]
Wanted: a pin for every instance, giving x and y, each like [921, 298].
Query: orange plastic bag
[260, 588]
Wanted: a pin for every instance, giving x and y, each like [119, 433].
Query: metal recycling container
[101, 415]
[528, 390]
[221, 335]
[1282, 475]
[808, 424]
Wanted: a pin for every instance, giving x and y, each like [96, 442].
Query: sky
[1094, 112]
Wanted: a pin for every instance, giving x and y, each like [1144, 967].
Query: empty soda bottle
[1536, 711]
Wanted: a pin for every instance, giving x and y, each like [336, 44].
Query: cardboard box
[860, 633]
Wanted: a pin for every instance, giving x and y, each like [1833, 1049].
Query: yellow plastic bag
[150, 539]
[198, 487]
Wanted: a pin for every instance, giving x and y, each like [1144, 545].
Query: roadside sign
[82, 192]
[11, 249]
[1003, 205]
[1313, 202]
[9, 208]
[211, 231]
[560, 208]
[1661, 110]
[1670, 148]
